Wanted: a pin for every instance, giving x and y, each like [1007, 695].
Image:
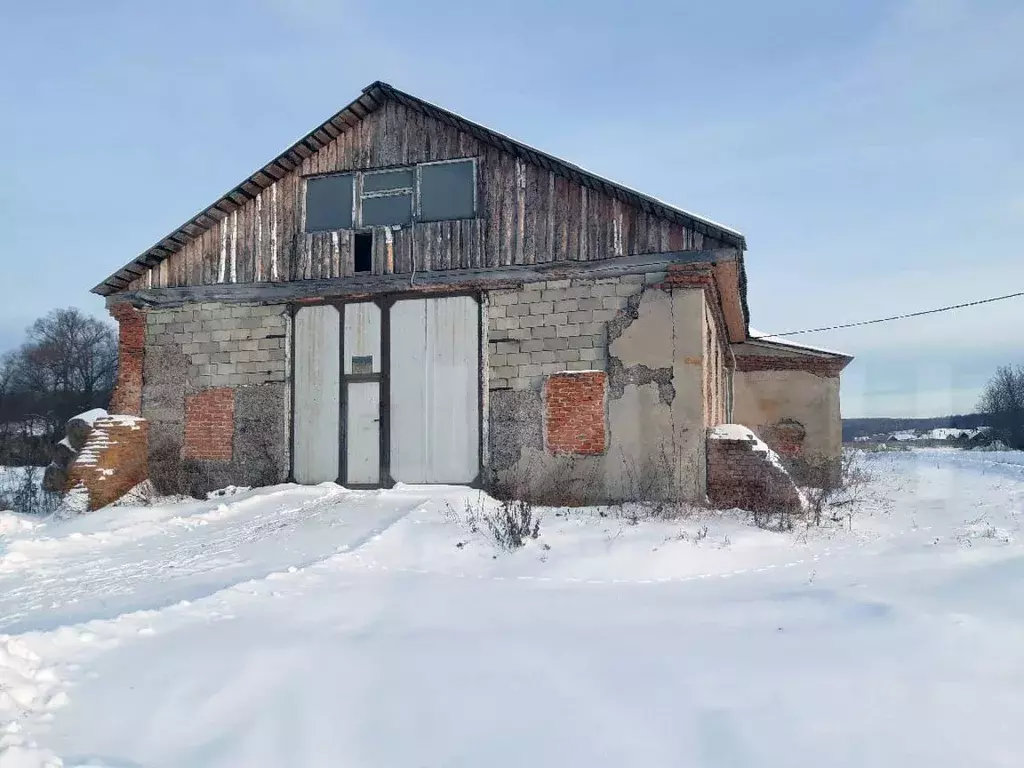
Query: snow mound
[983, 529]
[12, 523]
[89, 417]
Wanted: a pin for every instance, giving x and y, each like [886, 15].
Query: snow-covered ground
[316, 626]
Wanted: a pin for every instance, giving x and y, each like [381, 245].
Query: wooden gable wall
[527, 215]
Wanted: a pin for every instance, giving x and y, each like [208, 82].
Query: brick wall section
[555, 326]
[113, 460]
[575, 413]
[226, 345]
[209, 425]
[131, 340]
[741, 476]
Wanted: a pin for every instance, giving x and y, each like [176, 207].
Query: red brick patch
[575, 413]
[209, 424]
[131, 343]
[740, 475]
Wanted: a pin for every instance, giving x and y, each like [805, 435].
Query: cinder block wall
[648, 342]
[215, 383]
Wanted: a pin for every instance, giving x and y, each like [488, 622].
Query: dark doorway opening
[364, 252]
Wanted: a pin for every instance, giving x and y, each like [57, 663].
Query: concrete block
[556, 284]
[650, 278]
[541, 308]
[558, 318]
[497, 360]
[632, 279]
[556, 344]
[201, 337]
[550, 368]
[592, 354]
[532, 321]
[543, 332]
[503, 298]
[532, 369]
[532, 345]
[605, 289]
[604, 315]
[497, 383]
[505, 371]
[565, 355]
[493, 312]
[508, 346]
[581, 342]
[250, 345]
[614, 302]
[182, 338]
[520, 358]
[566, 305]
[200, 359]
[542, 357]
[529, 297]
[220, 335]
[582, 316]
[518, 333]
[590, 303]
[567, 331]
[627, 289]
[517, 310]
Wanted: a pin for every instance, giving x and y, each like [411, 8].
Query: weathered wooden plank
[508, 209]
[573, 205]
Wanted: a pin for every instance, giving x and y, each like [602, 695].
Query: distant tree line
[66, 365]
[869, 427]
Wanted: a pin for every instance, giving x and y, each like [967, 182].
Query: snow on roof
[755, 335]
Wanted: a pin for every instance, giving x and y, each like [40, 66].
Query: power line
[894, 317]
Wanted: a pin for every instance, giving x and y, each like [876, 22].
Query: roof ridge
[370, 99]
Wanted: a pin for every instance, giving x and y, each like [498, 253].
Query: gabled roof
[757, 338]
[371, 99]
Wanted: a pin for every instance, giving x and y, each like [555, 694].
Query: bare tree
[1002, 402]
[67, 364]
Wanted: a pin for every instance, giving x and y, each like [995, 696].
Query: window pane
[446, 191]
[393, 209]
[381, 182]
[329, 203]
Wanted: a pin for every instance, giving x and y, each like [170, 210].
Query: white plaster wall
[762, 398]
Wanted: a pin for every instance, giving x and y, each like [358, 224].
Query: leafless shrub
[845, 488]
[508, 527]
[653, 490]
[21, 490]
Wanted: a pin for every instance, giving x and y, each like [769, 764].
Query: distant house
[407, 296]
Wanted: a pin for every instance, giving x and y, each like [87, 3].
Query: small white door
[362, 433]
[317, 391]
[361, 349]
[435, 390]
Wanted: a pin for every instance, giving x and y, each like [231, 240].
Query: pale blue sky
[871, 151]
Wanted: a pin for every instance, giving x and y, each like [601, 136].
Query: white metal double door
[387, 392]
